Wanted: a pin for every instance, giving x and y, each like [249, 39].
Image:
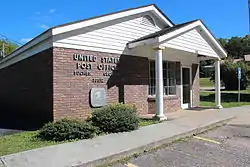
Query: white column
[159, 84]
[217, 84]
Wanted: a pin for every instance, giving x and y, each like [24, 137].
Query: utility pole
[249, 16]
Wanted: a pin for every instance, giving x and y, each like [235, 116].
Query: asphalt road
[227, 146]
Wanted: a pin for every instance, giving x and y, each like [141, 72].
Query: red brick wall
[43, 87]
[26, 92]
[171, 103]
[129, 83]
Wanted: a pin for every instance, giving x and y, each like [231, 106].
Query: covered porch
[185, 45]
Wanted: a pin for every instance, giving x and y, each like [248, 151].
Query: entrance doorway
[186, 87]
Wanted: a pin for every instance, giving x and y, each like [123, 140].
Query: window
[169, 78]
[147, 20]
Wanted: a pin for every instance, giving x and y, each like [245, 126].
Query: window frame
[165, 77]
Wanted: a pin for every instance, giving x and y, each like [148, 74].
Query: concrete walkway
[97, 150]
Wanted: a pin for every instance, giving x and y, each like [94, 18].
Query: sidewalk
[87, 152]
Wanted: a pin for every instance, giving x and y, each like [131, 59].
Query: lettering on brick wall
[108, 65]
[86, 58]
[86, 63]
[82, 73]
[97, 80]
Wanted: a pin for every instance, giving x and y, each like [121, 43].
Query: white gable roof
[192, 36]
[110, 17]
[203, 34]
[45, 40]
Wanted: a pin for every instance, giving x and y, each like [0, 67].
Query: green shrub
[229, 75]
[116, 118]
[67, 130]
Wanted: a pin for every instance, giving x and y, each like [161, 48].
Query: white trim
[96, 49]
[219, 50]
[83, 24]
[46, 44]
[213, 40]
[189, 50]
[162, 17]
[27, 46]
[86, 23]
[198, 24]
[188, 105]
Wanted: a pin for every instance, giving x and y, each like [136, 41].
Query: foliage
[223, 42]
[236, 47]
[9, 46]
[229, 75]
[246, 44]
[67, 130]
[30, 140]
[205, 73]
[116, 118]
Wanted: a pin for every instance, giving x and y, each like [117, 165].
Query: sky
[23, 20]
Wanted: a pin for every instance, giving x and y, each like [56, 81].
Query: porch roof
[162, 32]
[167, 34]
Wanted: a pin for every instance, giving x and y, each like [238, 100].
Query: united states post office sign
[98, 97]
[85, 64]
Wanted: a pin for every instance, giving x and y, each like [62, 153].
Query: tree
[229, 75]
[223, 42]
[203, 72]
[246, 44]
[8, 47]
[235, 47]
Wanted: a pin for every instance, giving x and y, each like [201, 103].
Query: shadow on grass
[226, 97]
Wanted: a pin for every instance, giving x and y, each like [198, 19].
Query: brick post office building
[137, 56]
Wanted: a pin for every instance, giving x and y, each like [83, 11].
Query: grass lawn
[205, 82]
[27, 140]
[242, 91]
[146, 122]
[21, 142]
[224, 104]
[227, 99]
